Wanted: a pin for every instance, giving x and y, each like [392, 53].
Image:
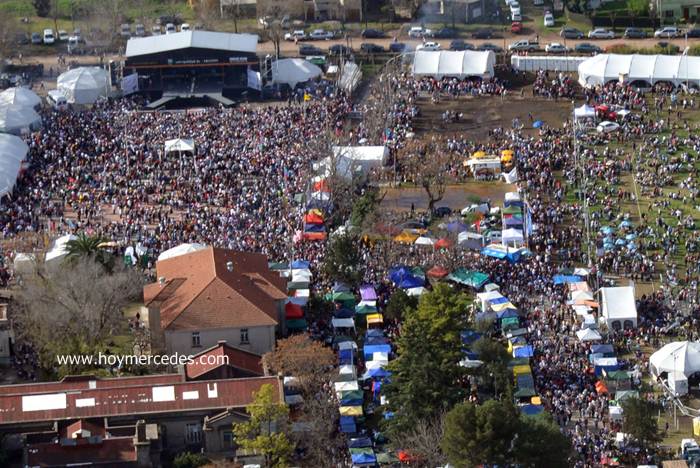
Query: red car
[516, 27]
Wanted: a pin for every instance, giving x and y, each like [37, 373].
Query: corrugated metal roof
[146, 398]
[198, 39]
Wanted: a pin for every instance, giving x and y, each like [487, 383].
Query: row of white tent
[646, 70]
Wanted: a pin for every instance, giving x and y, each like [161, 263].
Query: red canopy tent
[313, 218]
[321, 186]
[443, 243]
[293, 311]
[437, 272]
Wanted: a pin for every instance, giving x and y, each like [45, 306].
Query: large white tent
[17, 119]
[20, 97]
[293, 71]
[83, 85]
[512, 236]
[643, 69]
[9, 170]
[618, 308]
[13, 147]
[454, 64]
[677, 357]
[59, 249]
[181, 249]
[350, 161]
[178, 145]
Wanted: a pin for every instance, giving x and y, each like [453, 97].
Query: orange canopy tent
[443, 244]
[293, 311]
[321, 186]
[314, 236]
[600, 387]
[437, 272]
[313, 218]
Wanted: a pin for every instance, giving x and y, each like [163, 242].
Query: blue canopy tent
[345, 356]
[469, 336]
[369, 350]
[344, 313]
[507, 313]
[377, 340]
[456, 226]
[376, 373]
[495, 253]
[351, 402]
[604, 348]
[523, 352]
[564, 279]
[538, 124]
[347, 425]
[360, 442]
[375, 333]
[405, 278]
[498, 300]
[300, 265]
[314, 228]
[363, 457]
[531, 410]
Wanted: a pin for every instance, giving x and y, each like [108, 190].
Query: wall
[261, 339]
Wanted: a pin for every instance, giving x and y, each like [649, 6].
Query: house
[214, 294]
[454, 11]
[671, 11]
[223, 362]
[319, 10]
[126, 421]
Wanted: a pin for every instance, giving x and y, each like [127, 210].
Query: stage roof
[198, 39]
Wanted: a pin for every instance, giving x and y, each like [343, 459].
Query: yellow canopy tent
[479, 155]
[500, 307]
[375, 319]
[536, 400]
[522, 369]
[507, 156]
[406, 238]
[351, 410]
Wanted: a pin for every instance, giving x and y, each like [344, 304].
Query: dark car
[339, 49]
[22, 38]
[397, 47]
[587, 48]
[307, 50]
[695, 32]
[444, 33]
[461, 45]
[492, 47]
[372, 33]
[36, 38]
[635, 33]
[483, 34]
[571, 33]
[370, 48]
[442, 211]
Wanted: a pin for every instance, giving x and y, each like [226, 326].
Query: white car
[514, 5]
[185, 27]
[170, 28]
[321, 35]
[428, 46]
[48, 37]
[549, 20]
[555, 48]
[669, 32]
[607, 127]
[417, 32]
[62, 35]
[516, 17]
[538, 2]
[155, 30]
[298, 35]
[601, 33]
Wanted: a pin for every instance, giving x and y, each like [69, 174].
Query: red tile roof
[206, 361]
[118, 451]
[200, 292]
[85, 382]
[54, 401]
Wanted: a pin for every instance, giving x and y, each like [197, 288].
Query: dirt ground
[456, 196]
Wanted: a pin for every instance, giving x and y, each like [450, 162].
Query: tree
[308, 360]
[319, 440]
[639, 421]
[428, 164]
[364, 207]
[91, 247]
[540, 442]
[399, 304]
[638, 7]
[190, 460]
[480, 434]
[422, 441]
[343, 261]
[42, 7]
[495, 358]
[427, 378]
[208, 10]
[267, 429]
[73, 308]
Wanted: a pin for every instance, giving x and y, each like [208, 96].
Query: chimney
[221, 342]
[229, 265]
[161, 281]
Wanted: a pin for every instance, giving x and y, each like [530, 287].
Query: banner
[254, 80]
[130, 84]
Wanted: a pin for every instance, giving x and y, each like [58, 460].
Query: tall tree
[639, 420]
[42, 7]
[422, 441]
[495, 358]
[427, 378]
[267, 430]
[540, 442]
[399, 304]
[92, 247]
[342, 261]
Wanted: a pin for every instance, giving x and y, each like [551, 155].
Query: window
[193, 433]
[244, 336]
[227, 440]
[195, 340]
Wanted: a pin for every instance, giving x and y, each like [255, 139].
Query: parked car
[514, 7]
[695, 32]
[125, 30]
[587, 48]
[524, 45]
[170, 28]
[567, 32]
[538, 2]
[372, 33]
[485, 33]
[321, 35]
[73, 45]
[308, 49]
[339, 49]
[431, 46]
[36, 38]
[397, 47]
[139, 30]
[78, 34]
[668, 32]
[298, 35]
[417, 32]
[56, 99]
[155, 30]
[516, 17]
[516, 27]
[442, 211]
[62, 35]
[48, 37]
[492, 47]
[459, 44]
[601, 33]
[548, 20]
[607, 127]
[635, 33]
[185, 27]
[444, 33]
[556, 48]
[369, 48]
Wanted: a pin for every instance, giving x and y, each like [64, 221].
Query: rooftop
[237, 358]
[187, 39]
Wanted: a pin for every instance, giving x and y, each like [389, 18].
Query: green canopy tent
[351, 395]
[365, 309]
[616, 375]
[510, 322]
[418, 271]
[512, 210]
[297, 324]
[525, 392]
[340, 296]
[277, 266]
[473, 279]
[296, 285]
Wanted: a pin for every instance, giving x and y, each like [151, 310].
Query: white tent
[20, 97]
[679, 356]
[423, 240]
[584, 112]
[301, 275]
[643, 69]
[179, 145]
[346, 386]
[347, 369]
[588, 334]
[9, 170]
[59, 248]
[512, 235]
[545, 62]
[343, 323]
[470, 240]
[24, 263]
[181, 249]
[417, 291]
[293, 71]
[457, 64]
[13, 147]
[618, 308]
[350, 161]
[83, 85]
[16, 119]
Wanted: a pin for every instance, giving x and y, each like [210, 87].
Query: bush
[190, 460]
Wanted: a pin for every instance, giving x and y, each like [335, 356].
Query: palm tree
[92, 247]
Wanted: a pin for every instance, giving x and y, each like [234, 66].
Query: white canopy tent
[644, 69]
[584, 112]
[83, 85]
[181, 249]
[679, 357]
[24, 263]
[17, 119]
[13, 147]
[301, 275]
[512, 236]
[588, 334]
[618, 307]
[292, 71]
[20, 97]
[350, 161]
[59, 248]
[454, 64]
[179, 145]
[470, 240]
[423, 240]
[343, 323]
[9, 170]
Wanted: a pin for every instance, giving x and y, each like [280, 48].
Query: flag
[512, 176]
